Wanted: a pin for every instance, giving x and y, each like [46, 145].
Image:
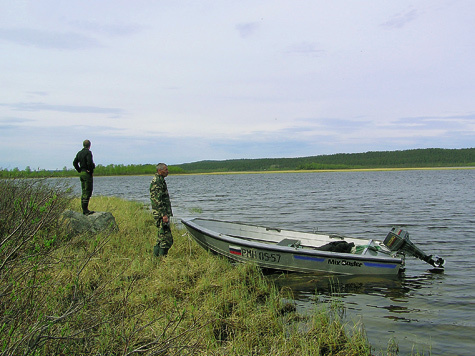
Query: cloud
[457, 123]
[344, 124]
[64, 108]
[243, 148]
[48, 39]
[14, 120]
[38, 93]
[305, 48]
[113, 30]
[12, 125]
[402, 19]
[247, 29]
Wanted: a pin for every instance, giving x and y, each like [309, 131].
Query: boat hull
[273, 249]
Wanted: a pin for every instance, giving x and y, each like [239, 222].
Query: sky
[183, 81]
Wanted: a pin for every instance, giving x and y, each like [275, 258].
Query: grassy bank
[107, 295]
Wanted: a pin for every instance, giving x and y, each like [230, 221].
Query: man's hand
[165, 219]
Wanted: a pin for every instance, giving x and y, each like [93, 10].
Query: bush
[30, 230]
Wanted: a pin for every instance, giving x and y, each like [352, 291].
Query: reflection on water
[306, 286]
[423, 311]
[397, 289]
[406, 302]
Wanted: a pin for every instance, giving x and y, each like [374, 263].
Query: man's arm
[76, 164]
[90, 163]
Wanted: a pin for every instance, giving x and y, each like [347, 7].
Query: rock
[77, 223]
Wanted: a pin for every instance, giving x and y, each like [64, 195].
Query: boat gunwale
[284, 249]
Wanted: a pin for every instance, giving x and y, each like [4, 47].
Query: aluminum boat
[306, 252]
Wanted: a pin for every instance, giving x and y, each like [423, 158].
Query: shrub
[29, 233]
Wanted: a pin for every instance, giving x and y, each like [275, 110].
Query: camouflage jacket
[159, 197]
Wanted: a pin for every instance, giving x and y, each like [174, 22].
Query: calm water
[422, 311]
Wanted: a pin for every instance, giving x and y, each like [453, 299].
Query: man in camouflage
[161, 210]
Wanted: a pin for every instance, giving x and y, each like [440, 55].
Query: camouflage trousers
[86, 191]
[86, 185]
[164, 236]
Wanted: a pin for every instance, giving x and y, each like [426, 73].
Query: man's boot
[84, 204]
[85, 210]
[162, 252]
[156, 251]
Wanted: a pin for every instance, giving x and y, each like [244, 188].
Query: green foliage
[419, 158]
[29, 211]
[30, 231]
[431, 157]
[109, 170]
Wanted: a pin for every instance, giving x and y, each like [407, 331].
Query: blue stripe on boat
[308, 258]
[378, 265]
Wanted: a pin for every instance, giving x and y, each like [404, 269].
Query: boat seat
[289, 243]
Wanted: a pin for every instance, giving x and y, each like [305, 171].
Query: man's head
[162, 169]
[86, 144]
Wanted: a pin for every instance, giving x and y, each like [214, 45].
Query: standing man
[161, 210]
[85, 166]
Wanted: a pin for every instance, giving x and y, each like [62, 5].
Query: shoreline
[265, 172]
[322, 171]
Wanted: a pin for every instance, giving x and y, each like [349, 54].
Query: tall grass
[107, 294]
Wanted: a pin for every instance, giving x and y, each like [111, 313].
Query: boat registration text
[261, 256]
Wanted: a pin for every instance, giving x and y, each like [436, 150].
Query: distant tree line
[416, 158]
[131, 169]
[109, 170]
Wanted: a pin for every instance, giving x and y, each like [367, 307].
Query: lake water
[424, 312]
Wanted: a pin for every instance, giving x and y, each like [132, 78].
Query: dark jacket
[83, 161]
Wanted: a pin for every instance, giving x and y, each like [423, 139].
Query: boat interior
[289, 238]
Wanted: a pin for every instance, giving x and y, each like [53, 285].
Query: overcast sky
[182, 81]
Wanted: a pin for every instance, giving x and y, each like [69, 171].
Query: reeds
[108, 295]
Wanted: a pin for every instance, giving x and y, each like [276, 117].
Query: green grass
[108, 295]
[222, 309]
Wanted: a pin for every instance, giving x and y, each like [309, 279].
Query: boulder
[77, 223]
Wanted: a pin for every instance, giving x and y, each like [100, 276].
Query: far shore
[274, 171]
[327, 170]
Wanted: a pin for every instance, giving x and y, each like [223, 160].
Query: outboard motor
[398, 240]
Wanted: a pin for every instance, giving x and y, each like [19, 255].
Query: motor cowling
[398, 240]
